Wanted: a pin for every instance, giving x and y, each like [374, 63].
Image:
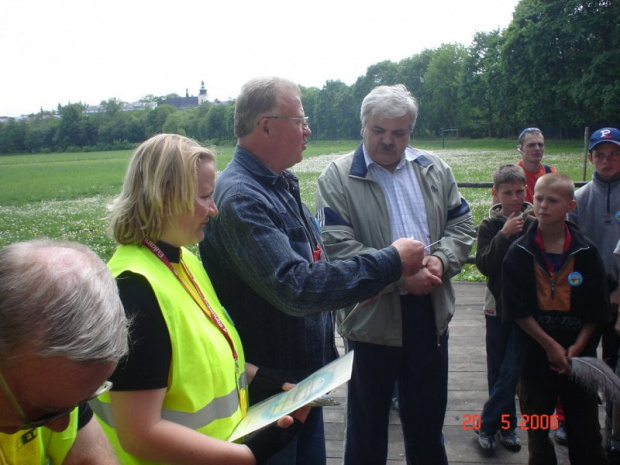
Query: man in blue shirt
[264, 253]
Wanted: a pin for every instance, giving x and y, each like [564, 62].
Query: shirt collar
[260, 170]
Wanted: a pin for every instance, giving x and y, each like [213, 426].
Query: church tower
[202, 95]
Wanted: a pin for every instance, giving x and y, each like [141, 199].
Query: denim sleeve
[270, 252]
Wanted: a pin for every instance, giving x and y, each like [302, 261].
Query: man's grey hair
[389, 102]
[58, 299]
[259, 96]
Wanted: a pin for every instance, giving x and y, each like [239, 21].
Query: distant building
[179, 102]
[188, 102]
[139, 106]
[125, 106]
[219, 102]
[202, 94]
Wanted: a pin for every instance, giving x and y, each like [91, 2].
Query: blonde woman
[183, 387]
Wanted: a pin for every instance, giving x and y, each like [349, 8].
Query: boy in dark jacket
[554, 288]
[507, 221]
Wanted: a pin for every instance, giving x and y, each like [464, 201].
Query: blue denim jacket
[258, 253]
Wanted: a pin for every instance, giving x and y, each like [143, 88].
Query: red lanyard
[211, 313]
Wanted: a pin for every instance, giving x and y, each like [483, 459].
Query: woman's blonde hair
[161, 181]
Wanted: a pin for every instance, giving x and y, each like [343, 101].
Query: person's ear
[590, 157]
[263, 125]
[572, 205]
[519, 148]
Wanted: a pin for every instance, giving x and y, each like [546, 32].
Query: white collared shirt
[403, 195]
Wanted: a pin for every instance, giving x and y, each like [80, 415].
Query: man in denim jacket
[264, 252]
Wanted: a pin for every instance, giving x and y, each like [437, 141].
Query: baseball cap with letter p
[604, 135]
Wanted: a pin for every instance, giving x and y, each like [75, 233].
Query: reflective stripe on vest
[219, 408]
[202, 392]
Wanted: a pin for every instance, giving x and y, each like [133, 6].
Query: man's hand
[434, 265]
[411, 254]
[427, 279]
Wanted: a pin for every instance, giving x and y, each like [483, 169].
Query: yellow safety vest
[39, 447]
[203, 391]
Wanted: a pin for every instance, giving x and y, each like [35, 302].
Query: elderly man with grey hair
[62, 332]
[265, 257]
[383, 191]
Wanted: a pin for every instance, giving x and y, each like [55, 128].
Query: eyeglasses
[28, 424]
[303, 120]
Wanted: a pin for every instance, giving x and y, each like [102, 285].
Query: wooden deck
[467, 392]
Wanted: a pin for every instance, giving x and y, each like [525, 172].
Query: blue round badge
[617, 217]
[575, 279]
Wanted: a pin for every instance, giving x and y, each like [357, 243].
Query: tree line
[556, 66]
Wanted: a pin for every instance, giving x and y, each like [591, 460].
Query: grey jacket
[353, 217]
[598, 217]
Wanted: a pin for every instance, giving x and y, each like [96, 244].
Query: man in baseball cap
[598, 217]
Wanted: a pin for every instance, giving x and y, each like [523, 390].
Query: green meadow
[65, 195]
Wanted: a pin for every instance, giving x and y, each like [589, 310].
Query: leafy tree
[70, 130]
[216, 123]
[383, 73]
[441, 82]
[562, 56]
[230, 120]
[309, 98]
[410, 72]
[13, 136]
[595, 88]
[335, 111]
[178, 123]
[89, 132]
[149, 98]
[482, 90]
[111, 106]
[163, 98]
[157, 117]
[347, 112]
[199, 125]
[40, 133]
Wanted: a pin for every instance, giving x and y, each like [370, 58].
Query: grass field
[65, 195]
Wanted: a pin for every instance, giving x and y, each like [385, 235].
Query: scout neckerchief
[551, 267]
[204, 305]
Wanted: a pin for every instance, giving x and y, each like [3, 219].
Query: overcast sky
[69, 51]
